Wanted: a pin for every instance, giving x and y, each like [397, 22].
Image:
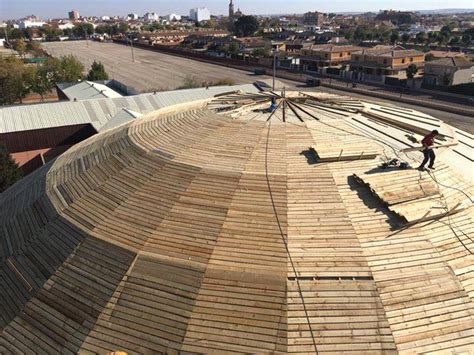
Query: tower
[231, 10]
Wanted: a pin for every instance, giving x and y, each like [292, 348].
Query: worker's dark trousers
[429, 155]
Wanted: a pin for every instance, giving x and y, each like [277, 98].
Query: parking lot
[151, 70]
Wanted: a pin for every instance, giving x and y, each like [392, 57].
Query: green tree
[16, 80]
[420, 37]
[234, 48]
[20, 46]
[261, 52]
[97, 72]
[83, 30]
[455, 41]
[9, 170]
[411, 71]
[246, 26]
[394, 37]
[70, 69]
[47, 75]
[405, 38]
[466, 39]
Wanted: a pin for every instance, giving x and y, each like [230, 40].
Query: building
[151, 16]
[200, 14]
[211, 227]
[314, 18]
[376, 63]
[133, 17]
[173, 17]
[38, 133]
[30, 24]
[448, 72]
[316, 57]
[86, 90]
[74, 15]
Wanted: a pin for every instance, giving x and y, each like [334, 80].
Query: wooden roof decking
[201, 231]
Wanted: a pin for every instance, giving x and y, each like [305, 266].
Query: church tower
[231, 10]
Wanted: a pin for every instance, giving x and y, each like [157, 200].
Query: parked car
[260, 71]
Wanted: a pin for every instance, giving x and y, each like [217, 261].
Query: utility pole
[6, 38]
[85, 32]
[274, 67]
[131, 46]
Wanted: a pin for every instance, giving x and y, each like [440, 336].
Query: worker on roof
[428, 151]
[273, 105]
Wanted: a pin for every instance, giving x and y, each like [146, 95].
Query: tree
[33, 47]
[234, 48]
[246, 26]
[16, 80]
[71, 69]
[405, 38]
[97, 72]
[20, 46]
[261, 52]
[420, 37]
[394, 37]
[44, 81]
[411, 71]
[429, 57]
[9, 170]
[455, 41]
[83, 30]
[466, 39]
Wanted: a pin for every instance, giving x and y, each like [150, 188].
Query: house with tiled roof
[374, 64]
[448, 71]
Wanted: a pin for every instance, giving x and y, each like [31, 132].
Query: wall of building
[463, 76]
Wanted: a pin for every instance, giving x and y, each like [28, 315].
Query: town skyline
[10, 9]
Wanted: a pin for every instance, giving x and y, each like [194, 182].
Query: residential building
[314, 18]
[448, 72]
[74, 15]
[374, 64]
[248, 44]
[200, 14]
[132, 17]
[319, 56]
[29, 24]
[446, 54]
[173, 17]
[151, 16]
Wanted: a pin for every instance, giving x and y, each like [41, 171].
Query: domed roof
[224, 226]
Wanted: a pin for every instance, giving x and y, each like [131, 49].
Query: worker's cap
[435, 132]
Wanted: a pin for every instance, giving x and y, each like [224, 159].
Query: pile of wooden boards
[418, 196]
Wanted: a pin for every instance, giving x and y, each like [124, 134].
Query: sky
[11, 9]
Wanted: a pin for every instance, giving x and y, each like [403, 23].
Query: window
[403, 61]
[385, 61]
[340, 55]
[411, 59]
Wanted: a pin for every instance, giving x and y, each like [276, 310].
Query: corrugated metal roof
[125, 115]
[86, 90]
[99, 111]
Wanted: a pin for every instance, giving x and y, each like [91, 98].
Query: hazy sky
[10, 9]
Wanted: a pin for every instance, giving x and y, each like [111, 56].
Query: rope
[285, 241]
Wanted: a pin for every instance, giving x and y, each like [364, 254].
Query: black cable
[285, 241]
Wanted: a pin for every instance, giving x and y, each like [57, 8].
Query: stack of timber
[418, 196]
[337, 141]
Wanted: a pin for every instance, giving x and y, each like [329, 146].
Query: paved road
[159, 71]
